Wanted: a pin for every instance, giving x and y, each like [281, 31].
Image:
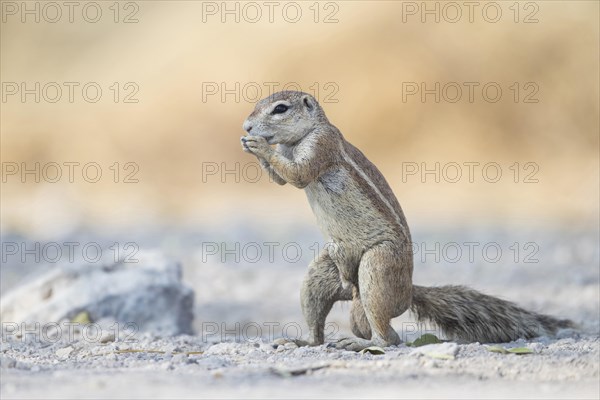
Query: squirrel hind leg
[321, 288]
[385, 286]
[358, 319]
[385, 292]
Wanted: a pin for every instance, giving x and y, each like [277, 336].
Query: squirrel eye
[280, 109]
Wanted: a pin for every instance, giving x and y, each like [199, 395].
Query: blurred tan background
[177, 131]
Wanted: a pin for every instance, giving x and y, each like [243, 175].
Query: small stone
[166, 365]
[222, 349]
[290, 346]
[536, 347]
[566, 333]
[440, 351]
[267, 348]
[107, 337]
[254, 353]
[180, 359]
[7, 362]
[64, 352]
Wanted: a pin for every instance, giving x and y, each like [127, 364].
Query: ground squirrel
[370, 260]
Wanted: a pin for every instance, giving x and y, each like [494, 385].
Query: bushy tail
[467, 315]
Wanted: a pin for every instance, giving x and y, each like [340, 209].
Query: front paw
[257, 145]
[244, 146]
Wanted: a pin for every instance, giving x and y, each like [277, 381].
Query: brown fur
[371, 260]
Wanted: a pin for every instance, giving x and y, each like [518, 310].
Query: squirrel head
[285, 117]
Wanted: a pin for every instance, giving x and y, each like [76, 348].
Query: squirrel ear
[309, 103]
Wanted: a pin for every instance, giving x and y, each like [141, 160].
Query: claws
[254, 139]
[256, 145]
[244, 145]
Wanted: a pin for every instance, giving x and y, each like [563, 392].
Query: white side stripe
[370, 182]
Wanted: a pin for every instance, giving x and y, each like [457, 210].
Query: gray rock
[64, 352]
[7, 362]
[446, 350]
[147, 296]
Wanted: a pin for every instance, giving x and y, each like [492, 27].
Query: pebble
[290, 346]
[536, 347]
[181, 359]
[566, 333]
[107, 337]
[448, 349]
[64, 352]
[7, 362]
[267, 348]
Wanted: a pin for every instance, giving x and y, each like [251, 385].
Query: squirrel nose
[247, 126]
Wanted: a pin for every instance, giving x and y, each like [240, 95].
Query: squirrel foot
[356, 344]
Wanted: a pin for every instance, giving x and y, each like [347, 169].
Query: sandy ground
[243, 305]
[558, 369]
